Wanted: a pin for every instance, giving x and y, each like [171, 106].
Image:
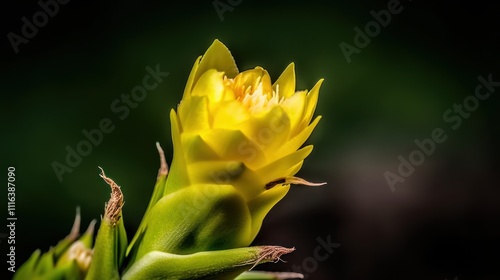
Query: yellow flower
[240, 128]
[237, 145]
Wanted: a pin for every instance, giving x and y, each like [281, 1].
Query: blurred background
[441, 222]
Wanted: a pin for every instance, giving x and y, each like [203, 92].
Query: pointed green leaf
[220, 265]
[109, 250]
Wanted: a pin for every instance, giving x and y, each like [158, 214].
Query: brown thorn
[291, 180]
[75, 229]
[91, 227]
[163, 162]
[115, 203]
[269, 253]
[300, 181]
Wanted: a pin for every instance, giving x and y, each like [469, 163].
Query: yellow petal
[194, 115]
[215, 172]
[211, 85]
[176, 133]
[294, 107]
[268, 131]
[229, 114]
[229, 144]
[262, 204]
[297, 141]
[217, 57]
[292, 171]
[235, 173]
[189, 84]
[286, 81]
[278, 168]
[178, 175]
[312, 100]
[251, 78]
[195, 149]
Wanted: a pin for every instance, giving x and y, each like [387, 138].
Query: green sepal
[197, 218]
[158, 191]
[220, 265]
[43, 267]
[86, 240]
[27, 268]
[56, 263]
[157, 195]
[32, 272]
[105, 260]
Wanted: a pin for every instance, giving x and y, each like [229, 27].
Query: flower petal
[312, 100]
[211, 85]
[268, 131]
[294, 107]
[195, 149]
[262, 204]
[235, 173]
[190, 81]
[231, 144]
[252, 78]
[278, 168]
[229, 114]
[294, 169]
[178, 176]
[193, 114]
[297, 141]
[217, 57]
[286, 81]
[215, 172]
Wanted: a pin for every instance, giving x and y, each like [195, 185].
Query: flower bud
[237, 145]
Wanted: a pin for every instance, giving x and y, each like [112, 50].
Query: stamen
[254, 98]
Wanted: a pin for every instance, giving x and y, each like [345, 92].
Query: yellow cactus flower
[240, 128]
[237, 145]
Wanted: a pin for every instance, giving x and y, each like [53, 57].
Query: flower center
[255, 98]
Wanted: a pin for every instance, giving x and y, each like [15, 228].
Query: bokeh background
[442, 222]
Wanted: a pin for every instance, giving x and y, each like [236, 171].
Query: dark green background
[440, 223]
